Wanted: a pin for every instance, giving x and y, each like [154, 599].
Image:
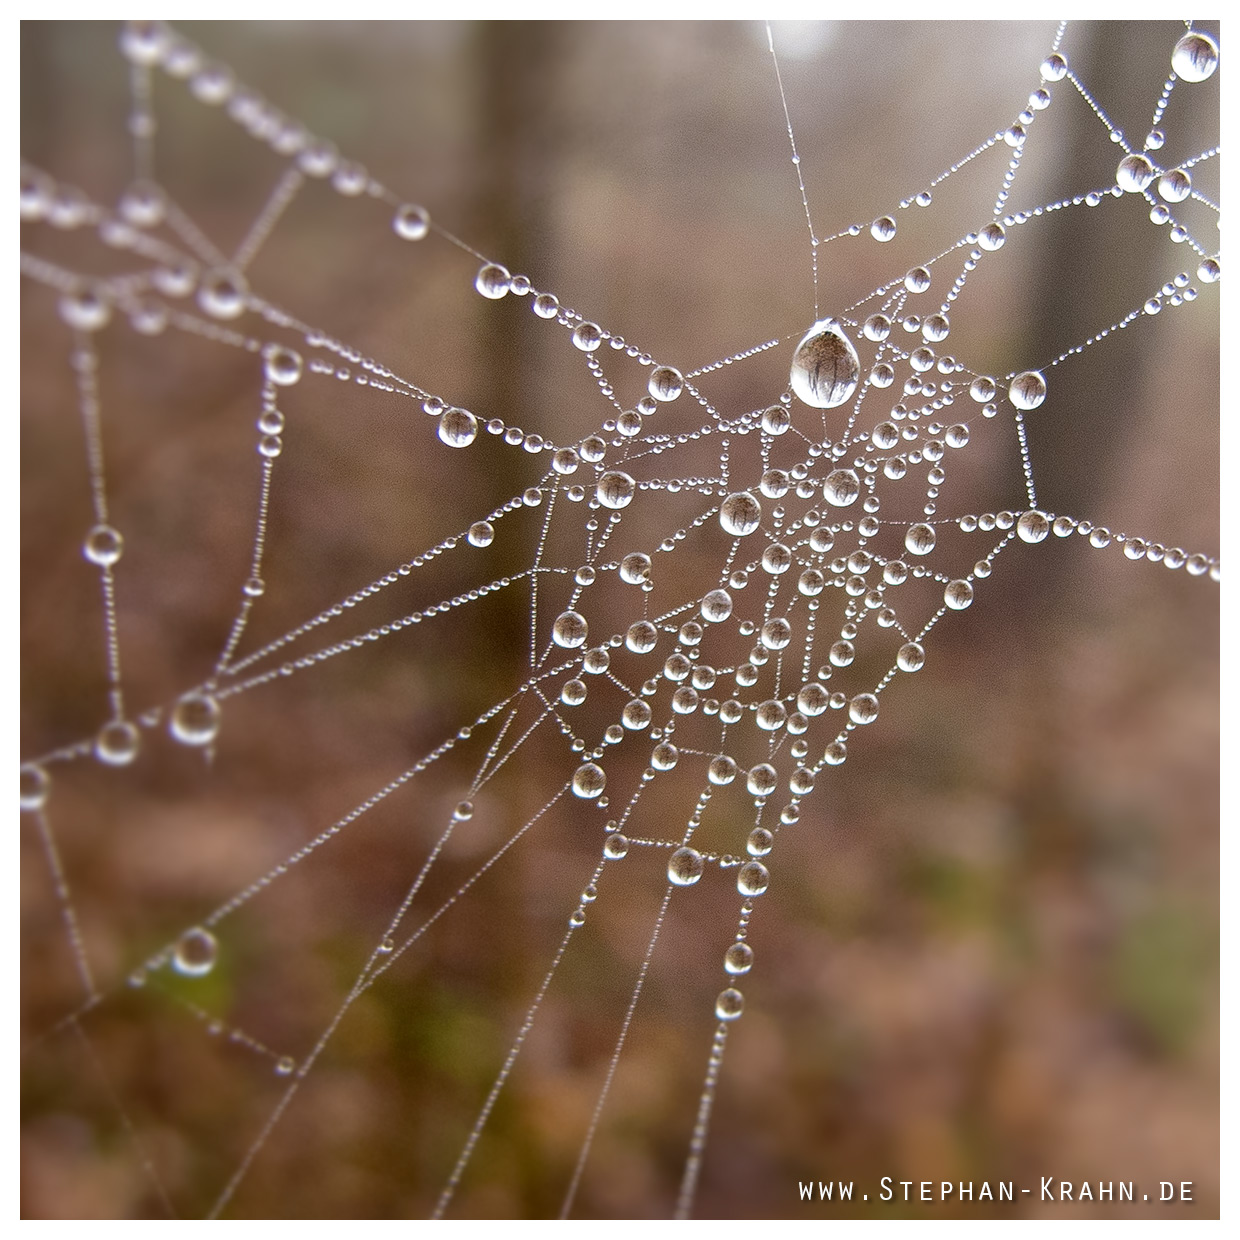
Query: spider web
[446, 682]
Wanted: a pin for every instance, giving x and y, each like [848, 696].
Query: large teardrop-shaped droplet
[825, 368]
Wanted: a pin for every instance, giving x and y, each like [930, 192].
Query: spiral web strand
[713, 598]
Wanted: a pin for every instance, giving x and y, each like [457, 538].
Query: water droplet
[982, 389]
[1208, 271]
[992, 237]
[1195, 56]
[935, 327]
[175, 279]
[883, 228]
[911, 658]
[825, 368]
[917, 280]
[589, 780]
[629, 423]
[195, 719]
[740, 514]
[1175, 186]
[677, 668]
[776, 633]
[222, 294]
[143, 43]
[573, 693]
[1054, 67]
[685, 867]
[876, 328]
[730, 1004]
[1134, 174]
[635, 568]
[812, 700]
[546, 305]
[1033, 526]
[35, 786]
[213, 84]
[760, 842]
[835, 753]
[958, 595]
[811, 582]
[636, 715]
[458, 428]
[103, 545]
[841, 488]
[597, 661]
[753, 879]
[738, 958]
[195, 953]
[86, 310]
[142, 204]
[771, 715]
[762, 780]
[776, 420]
[641, 637]
[616, 846]
[117, 743]
[411, 222]
[569, 630]
[481, 534]
[722, 770]
[666, 383]
[148, 316]
[615, 489]
[587, 337]
[1028, 390]
[774, 483]
[863, 708]
[286, 1065]
[37, 194]
[664, 756]
[493, 281]
[920, 539]
[885, 435]
[282, 366]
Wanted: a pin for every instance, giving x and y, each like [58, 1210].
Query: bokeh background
[991, 947]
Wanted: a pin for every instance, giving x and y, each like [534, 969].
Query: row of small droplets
[195, 952]
[1175, 292]
[117, 742]
[1100, 537]
[282, 368]
[152, 44]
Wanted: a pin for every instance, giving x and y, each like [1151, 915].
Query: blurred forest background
[990, 950]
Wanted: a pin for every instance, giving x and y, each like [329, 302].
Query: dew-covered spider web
[573, 666]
